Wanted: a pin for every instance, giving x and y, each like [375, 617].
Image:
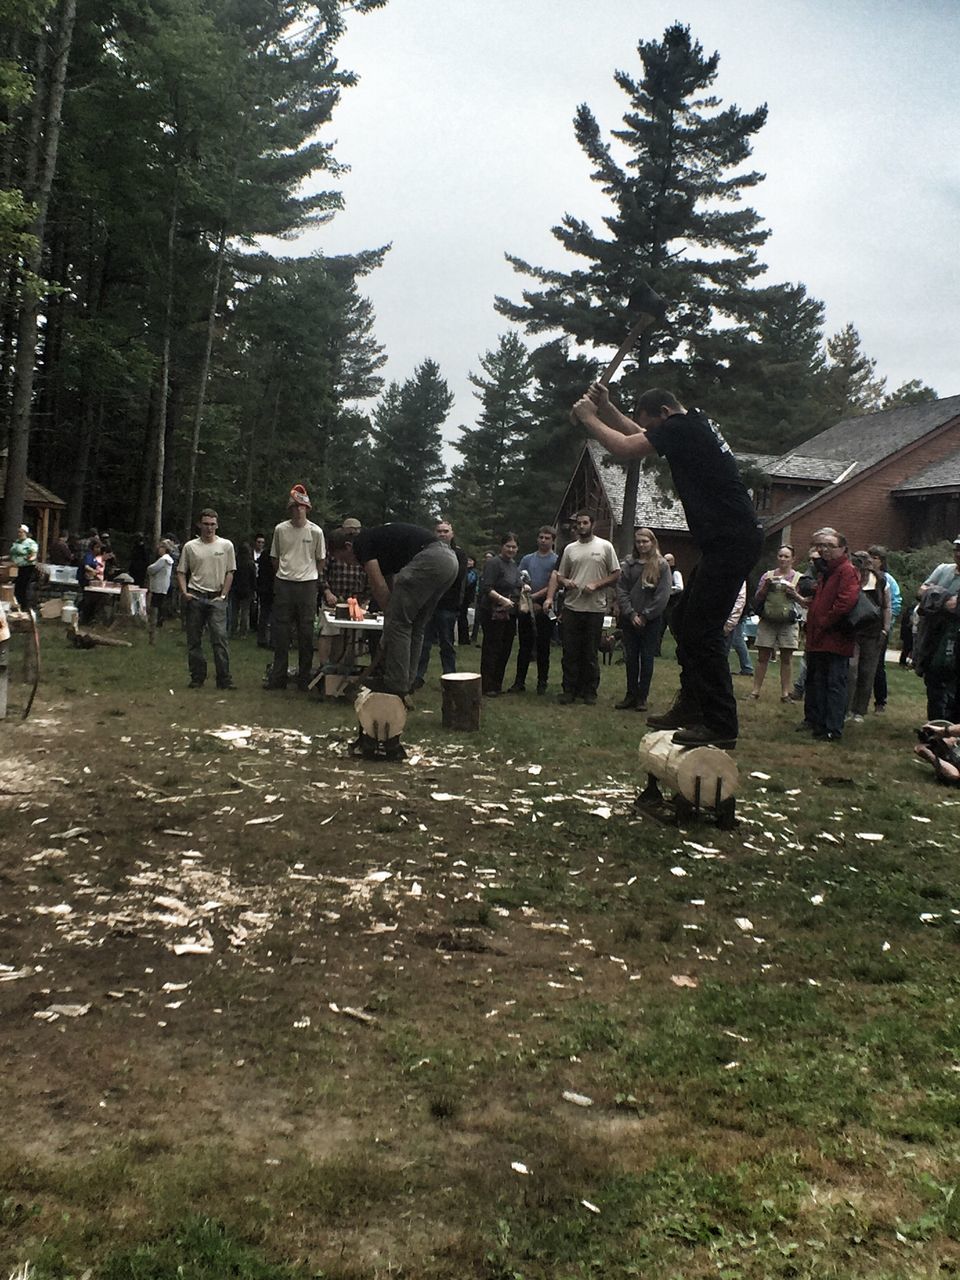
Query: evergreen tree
[912, 392]
[678, 223]
[766, 384]
[492, 449]
[407, 463]
[851, 387]
[669, 227]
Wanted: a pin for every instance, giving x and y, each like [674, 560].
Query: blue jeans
[738, 644]
[639, 653]
[208, 612]
[441, 628]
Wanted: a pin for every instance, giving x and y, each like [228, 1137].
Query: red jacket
[835, 596]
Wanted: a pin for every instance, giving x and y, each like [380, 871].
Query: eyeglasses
[830, 546]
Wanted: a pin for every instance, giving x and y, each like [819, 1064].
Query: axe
[649, 308]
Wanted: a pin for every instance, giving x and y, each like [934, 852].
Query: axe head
[644, 301]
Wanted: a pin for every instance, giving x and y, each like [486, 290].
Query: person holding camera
[776, 602]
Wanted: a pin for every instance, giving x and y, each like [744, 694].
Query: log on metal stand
[702, 778]
[381, 718]
[461, 701]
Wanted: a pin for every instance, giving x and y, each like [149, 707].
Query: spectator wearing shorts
[776, 602]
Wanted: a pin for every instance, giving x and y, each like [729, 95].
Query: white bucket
[69, 614]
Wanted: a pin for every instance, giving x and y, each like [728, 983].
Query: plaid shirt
[345, 580]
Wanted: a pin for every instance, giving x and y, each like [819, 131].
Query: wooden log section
[679, 767]
[461, 701]
[381, 715]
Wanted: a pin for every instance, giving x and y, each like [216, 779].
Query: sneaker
[228, 684]
[641, 706]
[879, 709]
[857, 719]
[698, 735]
[629, 703]
[517, 688]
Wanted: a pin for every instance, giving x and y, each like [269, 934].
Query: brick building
[891, 477]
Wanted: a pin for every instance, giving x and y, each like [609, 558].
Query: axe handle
[626, 346]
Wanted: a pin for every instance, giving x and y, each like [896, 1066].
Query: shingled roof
[944, 474]
[656, 508]
[861, 442]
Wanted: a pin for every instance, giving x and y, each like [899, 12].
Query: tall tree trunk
[27, 328]
[159, 454]
[204, 375]
[81, 467]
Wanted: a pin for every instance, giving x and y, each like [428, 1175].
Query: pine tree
[492, 449]
[912, 392]
[669, 227]
[678, 223]
[408, 461]
[851, 387]
[766, 382]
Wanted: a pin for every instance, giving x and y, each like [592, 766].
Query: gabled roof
[944, 474]
[655, 508]
[35, 495]
[862, 442]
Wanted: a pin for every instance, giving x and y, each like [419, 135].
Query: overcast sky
[460, 140]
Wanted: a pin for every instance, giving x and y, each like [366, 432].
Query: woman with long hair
[643, 591]
[779, 627]
[497, 597]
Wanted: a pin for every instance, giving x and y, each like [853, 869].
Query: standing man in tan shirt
[205, 575]
[298, 552]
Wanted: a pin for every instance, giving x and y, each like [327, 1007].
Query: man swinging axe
[723, 524]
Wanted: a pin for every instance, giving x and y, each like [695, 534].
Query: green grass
[795, 1114]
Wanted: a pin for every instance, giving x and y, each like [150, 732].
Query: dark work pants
[706, 687]
[825, 697]
[534, 633]
[495, 654]
[294, 612]
[639, 651]
[580, 634]
[416, 591]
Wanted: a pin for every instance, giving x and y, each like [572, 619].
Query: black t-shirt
[502, 576]
[391, 545]
[714, 498]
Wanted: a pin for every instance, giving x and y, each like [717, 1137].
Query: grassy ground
[588, 1045]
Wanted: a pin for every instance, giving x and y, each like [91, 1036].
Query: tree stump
[681, 768]
[461, 701]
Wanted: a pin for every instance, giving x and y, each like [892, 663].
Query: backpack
[777, 607]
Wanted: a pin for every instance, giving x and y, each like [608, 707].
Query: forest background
[155, 358]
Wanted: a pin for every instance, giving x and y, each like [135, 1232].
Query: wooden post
[461, 701]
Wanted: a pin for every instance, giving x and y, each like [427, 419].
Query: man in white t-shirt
[298, 552]
[587, 568]
[205, 574]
